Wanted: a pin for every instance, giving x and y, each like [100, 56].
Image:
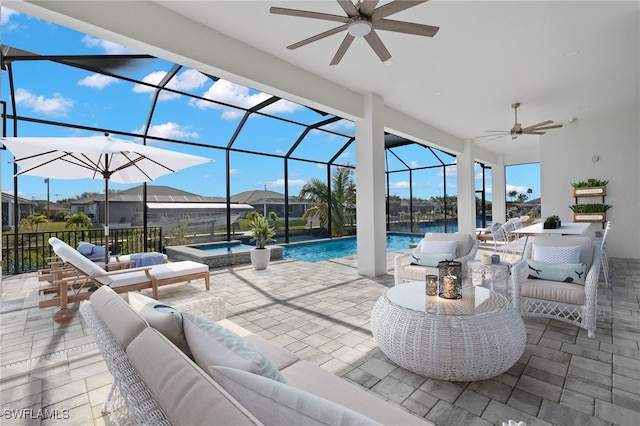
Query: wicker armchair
[565, 301]
[405, 271]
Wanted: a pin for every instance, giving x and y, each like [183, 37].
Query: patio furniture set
[482, 335]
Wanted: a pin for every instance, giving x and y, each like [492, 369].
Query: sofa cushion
[163, 318]
[553, 290]
[564, 272]
[426, 259]
[185, 392]
[125, 324]
[214, 345]
[279, 404]
[310, 378]
[465, 241]
[585, 243]
[279, 356]
[556, 254]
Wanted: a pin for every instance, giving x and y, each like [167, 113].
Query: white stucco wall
[566, 156]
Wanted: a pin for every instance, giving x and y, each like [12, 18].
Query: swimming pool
[329, 249]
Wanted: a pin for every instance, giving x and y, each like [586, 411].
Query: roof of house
[261, 196]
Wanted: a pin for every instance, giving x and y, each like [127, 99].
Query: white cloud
[169, 130]
[340, 125]
[107, 47]
[399, 185]
[235, 172]
[235, 94]
[5, 15]
[414, 164]
[279, 183]
[56, 106]
[184, 81]
[520, 189]
[97, 81]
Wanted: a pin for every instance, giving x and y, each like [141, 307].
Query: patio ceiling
[561, 60]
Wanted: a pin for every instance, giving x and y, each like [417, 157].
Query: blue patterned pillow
[214, 345]
[427, 259]
[564, 272]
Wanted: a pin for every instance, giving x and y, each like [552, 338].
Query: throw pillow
[432, 260]
[85, 249]
[438, 247]
[279, 404]
[91, 251]
[163, 318]
[214, 345]
[556, 254]
[563, 272]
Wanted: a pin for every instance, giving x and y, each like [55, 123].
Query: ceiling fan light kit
[362, 20]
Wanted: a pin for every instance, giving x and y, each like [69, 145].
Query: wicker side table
[475, 338]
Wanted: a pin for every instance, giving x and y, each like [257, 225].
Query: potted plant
[261, 232]
[551, 222]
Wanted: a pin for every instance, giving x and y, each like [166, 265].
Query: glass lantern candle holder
[450, 279]
[431, 284]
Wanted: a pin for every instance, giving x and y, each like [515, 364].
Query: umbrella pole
[106, 222]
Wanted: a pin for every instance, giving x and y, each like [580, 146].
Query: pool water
[226, 248]
[324, 250]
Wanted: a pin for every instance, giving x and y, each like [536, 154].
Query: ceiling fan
[517, 129]
[362, 20]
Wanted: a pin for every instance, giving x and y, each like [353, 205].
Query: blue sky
[76, 96]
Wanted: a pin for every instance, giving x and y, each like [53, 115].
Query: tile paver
[321, 312]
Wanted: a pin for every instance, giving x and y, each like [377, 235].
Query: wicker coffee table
[474, 338]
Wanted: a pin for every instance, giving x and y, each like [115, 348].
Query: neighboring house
[25, 208]
[166, 206]
[265, 201]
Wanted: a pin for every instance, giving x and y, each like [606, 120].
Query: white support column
[466, 189]
[498, 192]
[370, 166]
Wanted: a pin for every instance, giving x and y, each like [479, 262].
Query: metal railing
[32, 249]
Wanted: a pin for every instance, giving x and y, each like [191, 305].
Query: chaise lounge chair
[87, 276]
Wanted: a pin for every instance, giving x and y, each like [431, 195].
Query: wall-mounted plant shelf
[590, 217]
[596, 191]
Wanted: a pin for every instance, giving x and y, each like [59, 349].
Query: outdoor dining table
[570, 228]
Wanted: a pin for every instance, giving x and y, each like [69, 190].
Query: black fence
[32, 248]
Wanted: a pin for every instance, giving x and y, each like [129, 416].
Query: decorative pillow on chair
[563, 272]
[163, 318]
[432, 260]
[214, 345]
[556, 254]
[438, 247]
[91, 251]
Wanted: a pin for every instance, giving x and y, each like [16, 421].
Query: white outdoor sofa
[156, 382]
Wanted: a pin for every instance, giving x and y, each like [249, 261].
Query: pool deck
[321, 312]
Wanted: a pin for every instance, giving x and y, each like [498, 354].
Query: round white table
[474, 338]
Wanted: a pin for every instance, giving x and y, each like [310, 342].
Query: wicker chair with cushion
[558, 278]
[434, 247]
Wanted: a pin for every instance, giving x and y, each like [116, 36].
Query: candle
[432, 281]
[450, 287]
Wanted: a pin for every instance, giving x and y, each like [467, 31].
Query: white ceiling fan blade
[394, 7]
[406, 27]
[544, 123]
[377, 46]
[318, 37]
[348, 8]
[368, 6]
[308, 14]
[497, 137]
[536, 133]
[348, 39]
[498, 133]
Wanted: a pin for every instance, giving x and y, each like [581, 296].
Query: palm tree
[512, 194]
[343, 200]
[77, 221]
[34, 221]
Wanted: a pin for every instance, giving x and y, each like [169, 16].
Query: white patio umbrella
[100, 157]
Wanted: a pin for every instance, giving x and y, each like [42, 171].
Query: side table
[494, 276]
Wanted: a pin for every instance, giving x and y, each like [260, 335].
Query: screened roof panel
[267, 135]
[319, 145]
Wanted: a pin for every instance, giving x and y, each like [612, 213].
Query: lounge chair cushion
[214, 345]
[72, 256]
[163, 318]
[279, 404]
[563, 272]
